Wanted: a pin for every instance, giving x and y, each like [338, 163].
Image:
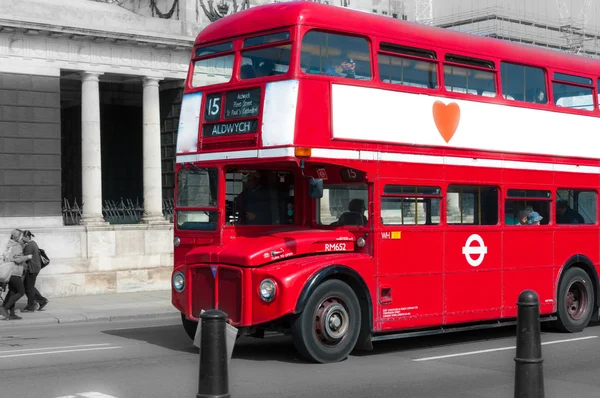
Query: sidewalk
[107, 307]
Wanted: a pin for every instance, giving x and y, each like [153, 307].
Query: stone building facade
[89, 106]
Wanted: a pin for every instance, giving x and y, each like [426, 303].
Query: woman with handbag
[14, 255]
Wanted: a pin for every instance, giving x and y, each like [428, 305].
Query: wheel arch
[356, 283]
[583, 262]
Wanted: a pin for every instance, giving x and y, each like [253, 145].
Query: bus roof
[278, 15]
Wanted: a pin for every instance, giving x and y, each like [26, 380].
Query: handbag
[5, 271]
[44, 258]
[5, 267]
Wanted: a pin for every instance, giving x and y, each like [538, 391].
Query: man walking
[34, 266]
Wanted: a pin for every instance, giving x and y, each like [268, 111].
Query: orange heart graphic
[446, 118]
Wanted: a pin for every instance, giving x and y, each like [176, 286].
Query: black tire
[575, 301]
[189, 326]
[318, 342]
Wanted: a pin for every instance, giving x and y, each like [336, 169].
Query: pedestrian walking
[32, 269]
[13, 253]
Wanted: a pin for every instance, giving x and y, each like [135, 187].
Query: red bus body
[461, 160]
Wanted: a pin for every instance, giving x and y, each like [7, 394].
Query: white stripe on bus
[390, 157]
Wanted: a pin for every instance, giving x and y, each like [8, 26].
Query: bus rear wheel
[189, 326]
[575, 301]
[328, 328]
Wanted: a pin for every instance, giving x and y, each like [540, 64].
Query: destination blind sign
[230, 128]
[242, 103]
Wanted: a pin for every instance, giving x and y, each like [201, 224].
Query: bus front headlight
[178, 282]
[267, 290]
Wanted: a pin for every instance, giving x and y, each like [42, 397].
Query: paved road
[154, 358]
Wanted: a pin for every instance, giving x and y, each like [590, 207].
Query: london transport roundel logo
[474, 254]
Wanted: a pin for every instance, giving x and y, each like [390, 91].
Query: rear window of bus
[214, 66]
[335, 55]
[266, 55]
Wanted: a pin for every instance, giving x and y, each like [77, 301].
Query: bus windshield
[215, 65]
[259, 197]
[197, 190]
[261, 56]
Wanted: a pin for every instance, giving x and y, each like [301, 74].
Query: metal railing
[124, 211]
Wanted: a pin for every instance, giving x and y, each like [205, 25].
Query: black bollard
[529, 378]
[214, 380]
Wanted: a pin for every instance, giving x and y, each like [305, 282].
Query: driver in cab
[253, 203]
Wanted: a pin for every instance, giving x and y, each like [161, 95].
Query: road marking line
[499, 349]
[55, 348]
[58, 352]
[93, 394]
[90, 394]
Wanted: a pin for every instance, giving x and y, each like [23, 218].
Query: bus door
[473, 254]
[409, 254]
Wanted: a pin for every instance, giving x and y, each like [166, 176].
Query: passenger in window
[266, 68]
[247, 72]
[358, 206]
[511, 219]
[566, 215]
[346, 68]
[540, 97]
[534, 218]
[355, 214]
[524, 214]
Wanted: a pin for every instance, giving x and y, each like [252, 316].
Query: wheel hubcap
[331, 321]
[576, 300]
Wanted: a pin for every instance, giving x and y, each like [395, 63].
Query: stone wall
[30, 146]
[103, 260]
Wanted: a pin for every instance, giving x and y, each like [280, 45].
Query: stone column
[91, 161]
[152, 157]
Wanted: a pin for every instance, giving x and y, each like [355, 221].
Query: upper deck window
[266, 61]
[214, 49]
[396, 69]
[212, 68]
[266, 39]
[523, 83]
[468, 80]
[335, 55]
[574, 95]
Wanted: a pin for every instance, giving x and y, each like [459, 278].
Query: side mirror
[315, 188]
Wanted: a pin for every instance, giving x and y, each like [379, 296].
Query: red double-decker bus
[348, 178]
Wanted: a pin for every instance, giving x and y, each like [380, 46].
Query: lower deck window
[410, 205]
[575, 206]
[343, 205]
[523, 212]
[472, 205]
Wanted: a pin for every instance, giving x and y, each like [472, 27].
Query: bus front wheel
[328, 328]
[575, 301]
[189, 326]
